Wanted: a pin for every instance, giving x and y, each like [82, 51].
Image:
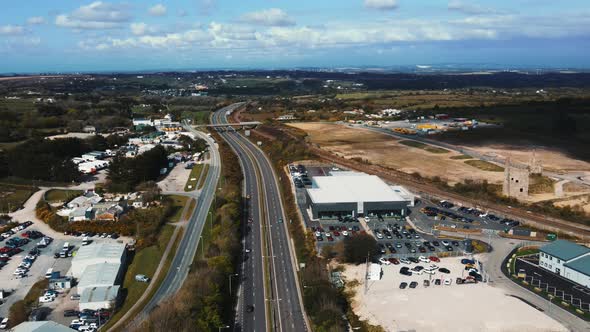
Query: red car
[336, 233]
[434, 259]
[331, 239]
[394, 261]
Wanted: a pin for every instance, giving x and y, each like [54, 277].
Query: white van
[85, 241]
[49, 273]
[67, 246]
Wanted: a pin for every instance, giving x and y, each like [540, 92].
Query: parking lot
[554, 284]
[17, 287]
[452, 307]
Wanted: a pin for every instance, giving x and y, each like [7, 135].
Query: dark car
[467, 261]
[250, 308]
[455, 243]
[437, 282]
[405, 271]
[435, 243]
[71, 313]
[413, 259]
[449, 248]
[413, 284]
[444, 270]
[403, 285]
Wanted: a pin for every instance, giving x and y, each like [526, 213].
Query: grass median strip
[484, 165]
[193, 179]
[425, 147]
[204, 176]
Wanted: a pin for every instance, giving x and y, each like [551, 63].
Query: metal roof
[351, 187]
[103, 274]
[564, 250]
[41, 326]
[99, 294]
[104, 250]
[581, 265]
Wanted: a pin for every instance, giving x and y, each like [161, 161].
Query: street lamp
[229, 279]
[223, 327]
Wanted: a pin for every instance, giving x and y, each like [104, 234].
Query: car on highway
[250, 308]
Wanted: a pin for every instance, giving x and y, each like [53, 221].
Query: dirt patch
[581, 202]
[384, 150]
[484, 165]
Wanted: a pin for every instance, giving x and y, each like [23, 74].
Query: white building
[102, 297]
[96, 253]
[99, 275]
[568, 259]
[40, 326]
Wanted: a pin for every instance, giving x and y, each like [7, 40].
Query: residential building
[568, 259]
[355, 194]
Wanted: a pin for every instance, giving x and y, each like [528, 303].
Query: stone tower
[516, 180]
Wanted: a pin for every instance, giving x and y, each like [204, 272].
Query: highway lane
[251, 289]
[287, 307]
[185, 252]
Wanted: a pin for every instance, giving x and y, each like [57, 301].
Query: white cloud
[381, 4]
[469, 8]
[268, 17]
[11, 30]
[139, 29]
[158, 10]
[97, 15]
[36, 20]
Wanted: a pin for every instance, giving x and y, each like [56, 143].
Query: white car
[20, 276]
[328, 234]
[367, 219]
[429, 271]
[46, 299]
[445, 243]
[448, 281]
[344, 233]
[19, 271]
[379, 235]
[405, 261]
[4, 324]
[77, 322]
[318, 234]
[31, 257]
[433, 267]
[424, 259]
[384, 261]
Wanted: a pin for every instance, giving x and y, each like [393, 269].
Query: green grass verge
[204, 176]
[425, 147]
[178, 206]
[193, 178]
[145, 262]
[461, 157]
[59, 195]
[13, 196]
[484, 165]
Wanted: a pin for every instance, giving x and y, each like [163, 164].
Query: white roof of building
[42, 326]
[106, 251]
[99, 294]
[101, 274]
[352, 187]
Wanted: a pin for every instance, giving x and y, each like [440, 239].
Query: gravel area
[471, 307]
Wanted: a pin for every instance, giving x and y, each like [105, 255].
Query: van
[49, 273]
[67, 246]
[85, 241]
[4, 324]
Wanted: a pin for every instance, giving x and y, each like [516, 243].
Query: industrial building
[98, 268]
[568, 259]
[96, 253]
[354, 194]
[40, 326]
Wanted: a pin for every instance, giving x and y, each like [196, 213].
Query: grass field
[539, 184]
[205, 171]
[195, 174]
[484, 165]
[423, 146]
[13, 196]
[179, 202]
[59, 195]
[461, 157]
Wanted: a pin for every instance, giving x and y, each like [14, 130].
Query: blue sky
[82, 35]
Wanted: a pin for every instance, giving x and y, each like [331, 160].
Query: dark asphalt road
[286, 305]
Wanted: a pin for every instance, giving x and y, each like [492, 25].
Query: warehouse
[355, 194]
[101, 297]
[97, 275]
[96, 253]
[568, 259]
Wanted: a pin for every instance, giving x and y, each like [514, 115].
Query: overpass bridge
[231, 126]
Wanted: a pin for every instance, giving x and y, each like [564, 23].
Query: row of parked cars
[92, 234]
[88, 320]
[335, 231]
[15, 230]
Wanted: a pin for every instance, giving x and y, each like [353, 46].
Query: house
[110, 211]
[568, 259]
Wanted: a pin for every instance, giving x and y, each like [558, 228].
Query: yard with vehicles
[432, 305]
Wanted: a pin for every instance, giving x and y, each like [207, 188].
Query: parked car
[403, 285]
[434, 259]
[448, 281]
[426, 283]
[424, 259]
[405, 271]
[384, 261]
[444, 270]
[413, 284]
[4, 323]
[71, 313]
[467, 261]
[142, 278]
[437, 282]
[46, 299]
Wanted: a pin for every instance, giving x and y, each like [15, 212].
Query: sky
[82, 35]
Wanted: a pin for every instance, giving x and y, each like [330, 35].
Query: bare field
[384, 150]
[475, 307]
